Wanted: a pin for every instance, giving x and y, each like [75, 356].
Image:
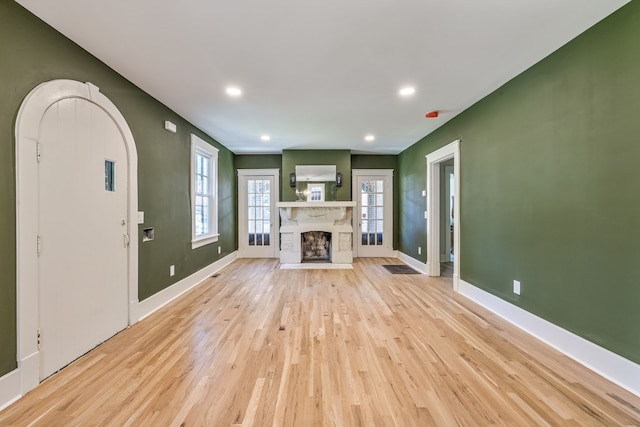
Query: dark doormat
[400, 269]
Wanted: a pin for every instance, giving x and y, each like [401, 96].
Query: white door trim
[275, 173]
[449, 151]
[28, 121]
[388, 208]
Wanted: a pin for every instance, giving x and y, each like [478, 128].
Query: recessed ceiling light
[406, 91]
[369, 138]
[233, 91]
[265, 137]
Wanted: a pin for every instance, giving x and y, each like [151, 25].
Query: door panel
[257, 216]
[374, 215]
[82, 223]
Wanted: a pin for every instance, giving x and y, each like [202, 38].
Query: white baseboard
[165, 296]
[421, 267]
[611, 366]
[9, 388]
[18, 382]
[29, 372]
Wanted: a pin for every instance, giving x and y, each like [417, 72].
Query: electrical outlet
[419, 250]
[516, 287]
[172, 270]
[219, 250]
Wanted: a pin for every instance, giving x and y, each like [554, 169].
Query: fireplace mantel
[331, 217]
[315, 204]
[334, 210]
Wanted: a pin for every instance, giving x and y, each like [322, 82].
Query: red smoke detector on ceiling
[431, 115]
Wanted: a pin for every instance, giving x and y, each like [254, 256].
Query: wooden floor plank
[260, 346]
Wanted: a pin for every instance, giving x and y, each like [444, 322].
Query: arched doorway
[68, 135]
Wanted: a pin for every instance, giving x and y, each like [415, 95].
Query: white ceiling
[320, 74]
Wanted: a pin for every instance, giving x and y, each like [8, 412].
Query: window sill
[203, 241]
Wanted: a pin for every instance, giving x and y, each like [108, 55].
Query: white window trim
[199, 145]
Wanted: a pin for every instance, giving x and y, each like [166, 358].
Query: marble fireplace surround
[332, 217]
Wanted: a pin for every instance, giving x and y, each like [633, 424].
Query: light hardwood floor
[260, 346]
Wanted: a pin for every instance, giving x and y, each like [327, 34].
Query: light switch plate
[140, 217]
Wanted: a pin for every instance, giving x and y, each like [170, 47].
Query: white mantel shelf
[315, 204]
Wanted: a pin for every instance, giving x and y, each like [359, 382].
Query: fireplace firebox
[316, 246]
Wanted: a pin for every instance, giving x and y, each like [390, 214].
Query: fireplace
[327, 226]
[316, 246]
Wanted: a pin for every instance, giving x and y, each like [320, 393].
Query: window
[109, 175]
[204, 193]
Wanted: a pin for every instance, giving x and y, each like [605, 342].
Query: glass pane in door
[371, 213]
[259, 212]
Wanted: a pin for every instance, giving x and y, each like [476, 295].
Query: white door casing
[373, 216]
[258, 231]
[28, 121]
[449, 151]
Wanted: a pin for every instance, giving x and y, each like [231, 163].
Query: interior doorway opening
[443, 212]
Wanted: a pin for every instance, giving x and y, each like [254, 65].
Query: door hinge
[38, 244]
[38, 336]
[38, 151]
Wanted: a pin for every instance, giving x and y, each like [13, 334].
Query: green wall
[340, 158]
[259, 161]
[549, 178]
[32, 53]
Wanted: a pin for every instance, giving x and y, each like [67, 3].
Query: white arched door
[77, 202]
[82, 179]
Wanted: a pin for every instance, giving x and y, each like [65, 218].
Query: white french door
[258, 221]
[82, 215]
[373, 193]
